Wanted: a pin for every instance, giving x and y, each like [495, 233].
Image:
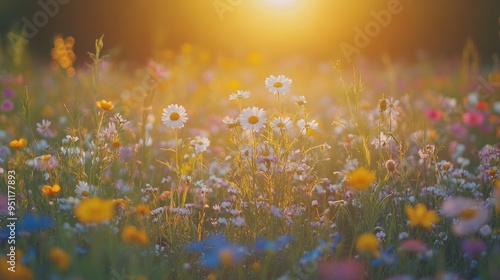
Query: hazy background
[312, 27]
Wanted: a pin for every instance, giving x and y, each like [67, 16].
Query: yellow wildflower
[22, 272]
[360, 178]
[105, 105]
[60, 258]
[142, 210]
[420, 215]
[131, 234]
[368, 243]
[94, 210]
[18, 144]
[51, 190]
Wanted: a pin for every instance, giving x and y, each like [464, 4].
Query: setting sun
[282, 4]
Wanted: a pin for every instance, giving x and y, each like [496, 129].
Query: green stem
[254, 159]
[280, 104]
[177, 153]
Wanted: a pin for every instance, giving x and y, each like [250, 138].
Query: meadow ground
[208, 166]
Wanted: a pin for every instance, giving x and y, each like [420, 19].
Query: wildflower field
[200, 165]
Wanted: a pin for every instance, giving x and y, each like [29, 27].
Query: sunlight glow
[281, 4]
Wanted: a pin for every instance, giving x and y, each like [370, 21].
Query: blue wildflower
[322, 248]
[387, 257]
[29, 223]
[81, 250]
[4, 153]
[315, 254]
[29, 255]
[263, 245]
[217, 250]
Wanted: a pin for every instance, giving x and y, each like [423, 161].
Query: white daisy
[266, 154]
[307, 128]
[280, 84]
[301, 172]
[472, 214]
[83, 189]
[174, 116]
[231, 122]
[301, 101]
[253, 118]
[200, 143]
[246, 152]
[392, 106]
[240, 94]
[281, 124]
[381, 142]
[44, 129]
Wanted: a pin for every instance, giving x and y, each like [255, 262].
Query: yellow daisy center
[46, 158]
[116, 144]
[253, 119]
[175, 116]
[278, 84]
[280, 125]
[468, 213]
[85, 193]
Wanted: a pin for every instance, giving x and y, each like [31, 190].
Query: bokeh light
[249, 139]
[281, 4]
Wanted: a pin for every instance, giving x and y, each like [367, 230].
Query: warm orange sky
[315, 27]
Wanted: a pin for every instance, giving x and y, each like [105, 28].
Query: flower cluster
[260, 184]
